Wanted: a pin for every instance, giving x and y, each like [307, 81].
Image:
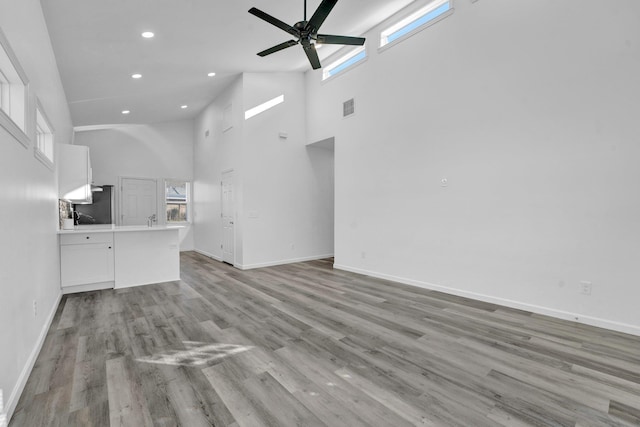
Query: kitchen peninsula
[97, 257]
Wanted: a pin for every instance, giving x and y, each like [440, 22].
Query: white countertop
[109, 228]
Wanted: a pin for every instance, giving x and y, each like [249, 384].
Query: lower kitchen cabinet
[86, 262]
[118, 258]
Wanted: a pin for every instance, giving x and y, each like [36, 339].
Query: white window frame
[5, 93]
[327, 71]
[44, 147]
[410, 17]
[188, 202]
[15, 93]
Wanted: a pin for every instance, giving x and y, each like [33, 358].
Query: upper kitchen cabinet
[74, 180]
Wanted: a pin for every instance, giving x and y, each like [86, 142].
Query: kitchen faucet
[151, 220]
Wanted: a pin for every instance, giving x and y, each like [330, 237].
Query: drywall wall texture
[159, 151]
[528, 110]
[29, 266]
[288, 213]
[218, 144]
[283, 191]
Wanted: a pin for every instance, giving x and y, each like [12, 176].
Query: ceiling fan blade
[278, 48]
[274, 21]
[310, 50]
[329, 39]
[320, 14]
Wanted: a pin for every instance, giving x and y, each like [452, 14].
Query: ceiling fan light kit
[306, 32]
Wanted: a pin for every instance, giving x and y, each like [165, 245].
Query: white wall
[158, 151]
[214, 153]
[529, 109]
[29, 266]
[288, 211]
[283, 190]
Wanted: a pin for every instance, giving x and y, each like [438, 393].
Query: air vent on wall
[348, 107]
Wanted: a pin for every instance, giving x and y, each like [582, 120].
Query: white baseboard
[135, 285]
[217, 258]
[564, 315]
[87, 288]
[282, 262]
[26, 371]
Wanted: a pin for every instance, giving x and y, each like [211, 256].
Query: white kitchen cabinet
[86, 261]
[74, 176]
[118, 257]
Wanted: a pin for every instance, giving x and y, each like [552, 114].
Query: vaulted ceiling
[98, 47]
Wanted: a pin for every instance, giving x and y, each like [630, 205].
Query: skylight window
[346, 61]
[415, 22]
[263, 107]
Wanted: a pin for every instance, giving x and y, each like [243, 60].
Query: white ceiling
[98, 47]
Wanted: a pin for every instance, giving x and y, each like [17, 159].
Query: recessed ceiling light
[136, 76]
[211, 74]
[125, 111]
[147, 34]
[183, 106]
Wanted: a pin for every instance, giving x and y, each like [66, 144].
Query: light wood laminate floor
[306, 345]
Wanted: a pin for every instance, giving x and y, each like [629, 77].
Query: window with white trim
[177, 197]
[4, 93]
[422, 18]
[344, 62]
[43, 149]
[13, 93]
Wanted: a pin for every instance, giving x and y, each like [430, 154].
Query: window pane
[177, 198]
[5, 101]
[345, 62]
[415, 21]
[44, 137]
[176, 212]
[176, 191]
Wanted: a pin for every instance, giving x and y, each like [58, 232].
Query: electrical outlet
[585, 287]
[35, 308]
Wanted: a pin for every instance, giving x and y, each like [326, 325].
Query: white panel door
[228, 209]
[138, 200]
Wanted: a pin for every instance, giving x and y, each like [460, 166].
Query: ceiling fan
[306, 32]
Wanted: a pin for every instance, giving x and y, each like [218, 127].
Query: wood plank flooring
[304, 345]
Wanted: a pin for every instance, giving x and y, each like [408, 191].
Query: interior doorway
[322, 160]
[138, 200]
[228, 218]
